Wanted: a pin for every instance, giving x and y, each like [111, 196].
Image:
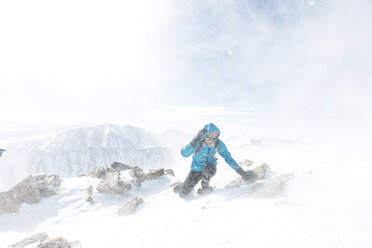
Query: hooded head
[211, 128]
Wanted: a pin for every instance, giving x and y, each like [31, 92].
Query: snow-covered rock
[138, 176]
[30, 190]
[112, 184]
[99, 172]
[41, 240]
[39, 237]
[262, 171]
[59, 242]
[130, 207]
[90, 194]
[47, 184]
[155, 173]
[120, 166]
[8, 203]
[176, 187]
[266, 186]
[246, 163]
[169, 172]
[270, 188]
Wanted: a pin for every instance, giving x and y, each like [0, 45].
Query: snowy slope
[222, 219]
[328, 206]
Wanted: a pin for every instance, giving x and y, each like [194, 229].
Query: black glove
[196, 140]
[248, 175]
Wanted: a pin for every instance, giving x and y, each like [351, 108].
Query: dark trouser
[194, 177]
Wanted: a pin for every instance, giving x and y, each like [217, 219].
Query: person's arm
[226, 155]
[246, 175]
[194, 144]
[187, 150]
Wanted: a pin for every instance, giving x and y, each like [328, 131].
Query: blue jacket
[206, 153]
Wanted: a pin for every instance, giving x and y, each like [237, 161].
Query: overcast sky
[162, 63]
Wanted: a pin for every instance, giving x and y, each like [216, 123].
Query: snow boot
[203, 191]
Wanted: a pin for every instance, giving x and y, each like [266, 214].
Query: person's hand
[195, 141]
[248, 175]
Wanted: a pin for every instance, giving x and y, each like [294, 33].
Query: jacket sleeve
[188, 150]
[225, 154]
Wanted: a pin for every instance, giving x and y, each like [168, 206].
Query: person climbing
[1, 151]
[203, 167]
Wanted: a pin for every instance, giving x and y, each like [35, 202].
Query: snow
[326, 204]
[79, 150]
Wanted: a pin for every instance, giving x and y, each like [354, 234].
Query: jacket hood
[210, 129]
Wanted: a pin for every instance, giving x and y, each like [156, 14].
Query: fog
[288, 83]
[297, 63]
[287, 64]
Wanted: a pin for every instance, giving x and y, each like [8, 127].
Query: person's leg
[208, 172]
[192, 179]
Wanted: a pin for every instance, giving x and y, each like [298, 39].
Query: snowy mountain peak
[79, 150]
[100, 136]
[104, 135]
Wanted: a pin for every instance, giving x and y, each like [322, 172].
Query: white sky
[162, 63]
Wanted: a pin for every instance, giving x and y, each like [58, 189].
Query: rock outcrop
[156, 173]
[59, 242]
[41, 240]
[262, 171]
[176, 187]
[246, 163]
[138, 176]
[112, 184]
[119, 166]
[98, 172]
[130, 207]
[153, 174]
[90, 194]
[169, 172]
[266, 186]
[47, 183]
[40, 237]
[137, 173]
[30, 190]
[270, 188]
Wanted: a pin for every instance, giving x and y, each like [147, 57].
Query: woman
[203, 167]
